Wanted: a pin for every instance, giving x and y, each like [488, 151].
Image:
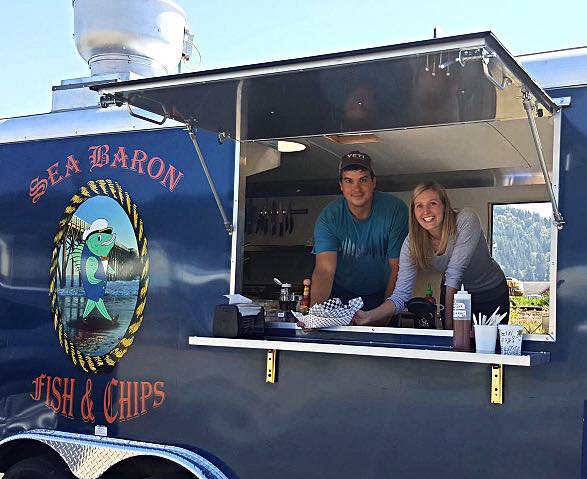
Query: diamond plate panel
[89, 462]
[89, 457]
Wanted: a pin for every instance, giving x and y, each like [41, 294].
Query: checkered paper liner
[331, 312]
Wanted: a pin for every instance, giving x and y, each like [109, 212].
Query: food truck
[145, 196]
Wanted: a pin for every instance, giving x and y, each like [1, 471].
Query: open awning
[450, 80]
[454, 83]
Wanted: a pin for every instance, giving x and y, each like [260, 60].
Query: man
[358, 238]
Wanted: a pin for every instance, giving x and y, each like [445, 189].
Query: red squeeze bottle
[429, 296]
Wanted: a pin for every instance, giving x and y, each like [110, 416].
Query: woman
[451, 243]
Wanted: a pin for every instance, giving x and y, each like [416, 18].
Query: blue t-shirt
[363, 247]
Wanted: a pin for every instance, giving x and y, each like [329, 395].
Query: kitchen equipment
[273, 218]
[286, 297]
[238, 321]
[290, 216]
[424, 313]
[280, 218]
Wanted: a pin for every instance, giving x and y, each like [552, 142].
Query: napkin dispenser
[238, 321]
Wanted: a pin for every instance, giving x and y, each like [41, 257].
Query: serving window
[285, 193]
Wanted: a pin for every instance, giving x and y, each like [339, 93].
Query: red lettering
[159, 394]
[138, 161]
[124, 400]
[108, 412]
[136, 398]
[49, 378]
[120, 158]
[146, 393]
[68, 397]
[52, 171]
[37, 189]
[161, 167]
[99, 156]
[38, 382]
[173, 181]
[72, 165]
[56, 406]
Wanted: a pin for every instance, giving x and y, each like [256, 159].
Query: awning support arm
[528, 106]
[227, 224]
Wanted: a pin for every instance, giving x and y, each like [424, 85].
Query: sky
[543, 209]
[37, 46]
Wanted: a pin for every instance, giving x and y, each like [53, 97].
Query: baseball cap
[356, 158]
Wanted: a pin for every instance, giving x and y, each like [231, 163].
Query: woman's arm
[376, 317]
[467, 238]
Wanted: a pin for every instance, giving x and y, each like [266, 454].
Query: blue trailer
[123, 228]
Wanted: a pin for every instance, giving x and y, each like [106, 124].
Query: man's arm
[394, 265]
[323, 277]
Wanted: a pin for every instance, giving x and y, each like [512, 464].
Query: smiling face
[358, 188]
[429, 212]
[101, 243]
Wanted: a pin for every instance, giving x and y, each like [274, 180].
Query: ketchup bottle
[429, 293]
[305, 302]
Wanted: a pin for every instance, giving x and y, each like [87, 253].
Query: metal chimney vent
[141, 37]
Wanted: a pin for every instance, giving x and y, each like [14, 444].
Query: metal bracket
[227, 224]
[562, 101]
[497, 384]
[109, 100]
[271, 374]
[222, 137]
[559, 221]
[476, 54]
[146, 118]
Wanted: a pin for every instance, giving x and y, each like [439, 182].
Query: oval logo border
[105, 362]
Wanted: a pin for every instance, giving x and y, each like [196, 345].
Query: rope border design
[105, 362]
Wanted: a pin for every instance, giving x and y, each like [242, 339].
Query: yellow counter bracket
[271, 376]
[497, 384]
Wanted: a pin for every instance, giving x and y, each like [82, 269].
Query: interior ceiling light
[289, 146]
[354, 139]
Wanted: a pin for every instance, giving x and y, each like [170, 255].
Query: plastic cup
[485, 339]
[510, 339]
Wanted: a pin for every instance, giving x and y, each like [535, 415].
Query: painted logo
[99, 276]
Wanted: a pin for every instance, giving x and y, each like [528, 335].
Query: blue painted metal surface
[328, 416]
[189, 255]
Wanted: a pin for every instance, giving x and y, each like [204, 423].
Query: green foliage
[521, 243]
[523, 301]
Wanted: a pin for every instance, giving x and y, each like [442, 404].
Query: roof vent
[138, 37]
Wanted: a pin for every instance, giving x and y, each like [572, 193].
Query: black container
[238, 321]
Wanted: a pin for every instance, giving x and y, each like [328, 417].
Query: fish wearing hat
[91, 259]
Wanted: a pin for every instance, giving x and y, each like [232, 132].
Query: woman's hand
[361, 318]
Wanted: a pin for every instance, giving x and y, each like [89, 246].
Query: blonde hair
[421, 249]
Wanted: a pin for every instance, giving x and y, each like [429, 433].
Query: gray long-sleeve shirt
[466, 260]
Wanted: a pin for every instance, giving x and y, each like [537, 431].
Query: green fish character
[91, 258]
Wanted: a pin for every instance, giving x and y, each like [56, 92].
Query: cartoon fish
[91, 259]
